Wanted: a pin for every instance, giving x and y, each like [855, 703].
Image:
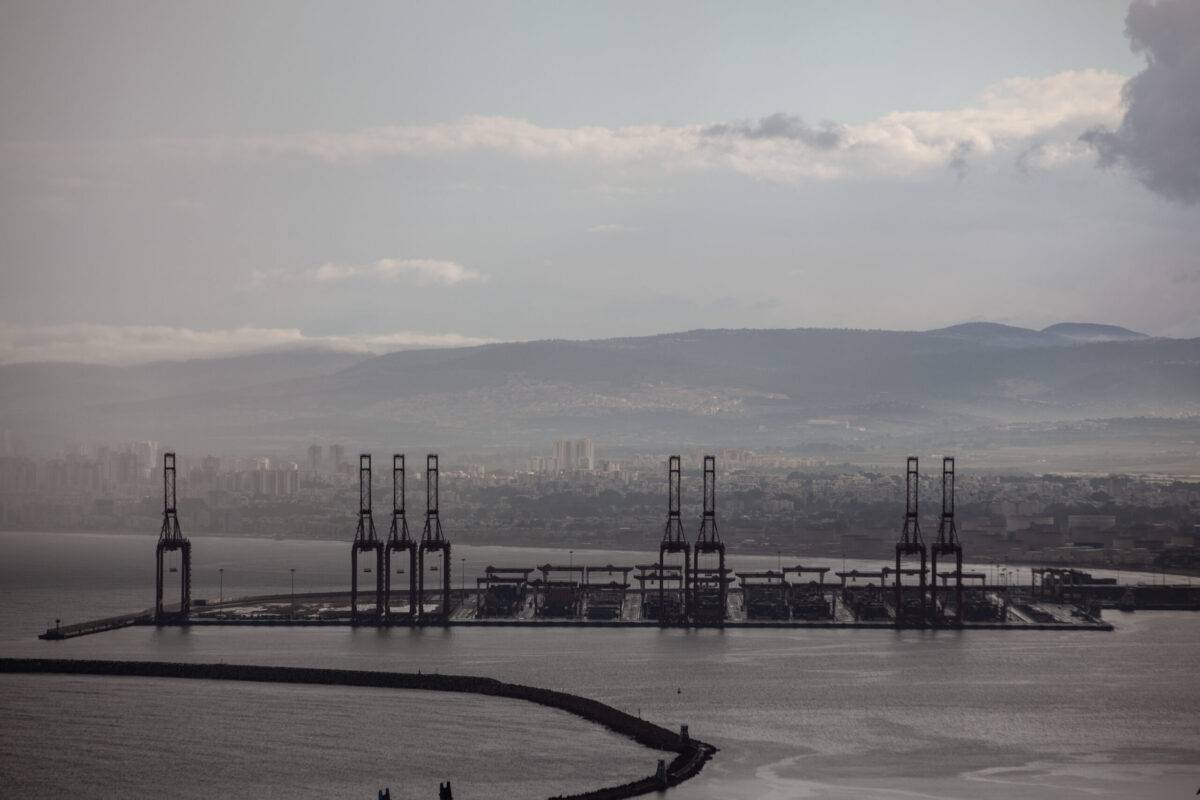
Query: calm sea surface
[829, 714]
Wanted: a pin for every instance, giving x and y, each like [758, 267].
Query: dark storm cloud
[826, 136]
[1159, 138]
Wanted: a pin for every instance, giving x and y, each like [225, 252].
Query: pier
[59, 632]
[472, 608]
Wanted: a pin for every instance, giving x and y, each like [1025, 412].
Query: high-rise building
[564, 455]
[274, 482]
[315, 451]
[147, 455]
[337, 456]
[291, 483]
[128, 471]
[585, 454]
[572, 455]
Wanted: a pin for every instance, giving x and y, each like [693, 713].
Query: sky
[193, 179]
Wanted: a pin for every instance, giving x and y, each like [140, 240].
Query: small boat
[173, 569]
[366, 569]
[433, 569]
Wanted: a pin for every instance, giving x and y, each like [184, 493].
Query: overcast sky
[205, 178]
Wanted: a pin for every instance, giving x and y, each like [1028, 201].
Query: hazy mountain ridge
[103, 383]
[753, 387]
[1093, 332]
[1063, 333]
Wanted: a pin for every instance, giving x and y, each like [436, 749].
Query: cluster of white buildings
[570, 455]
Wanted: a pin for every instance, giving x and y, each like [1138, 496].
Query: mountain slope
[997, 335]
[748, 387]
[1093, 332]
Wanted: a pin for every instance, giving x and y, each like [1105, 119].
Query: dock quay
[332, 609]
[59, 632]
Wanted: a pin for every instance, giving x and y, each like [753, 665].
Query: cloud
[1158, 139]
[826, 136]
[130, 344]
[1011, 114]
[1042, 156]
[422, 270]
[958, 159]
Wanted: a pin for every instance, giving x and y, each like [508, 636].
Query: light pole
[221, 591]
[462, 578]
[779, 560]
[571, 562]
[293, 571]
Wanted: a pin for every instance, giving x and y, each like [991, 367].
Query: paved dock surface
[326, 609]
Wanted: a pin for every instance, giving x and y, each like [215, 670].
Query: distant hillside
[85, 402]
[756, 388]
[1091, 332]
[69, 384]
[997, 335]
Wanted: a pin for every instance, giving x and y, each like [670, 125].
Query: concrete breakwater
[690, 758]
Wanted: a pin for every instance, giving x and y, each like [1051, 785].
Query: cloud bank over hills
[133, 344]
[137, 344]
[756, 388]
